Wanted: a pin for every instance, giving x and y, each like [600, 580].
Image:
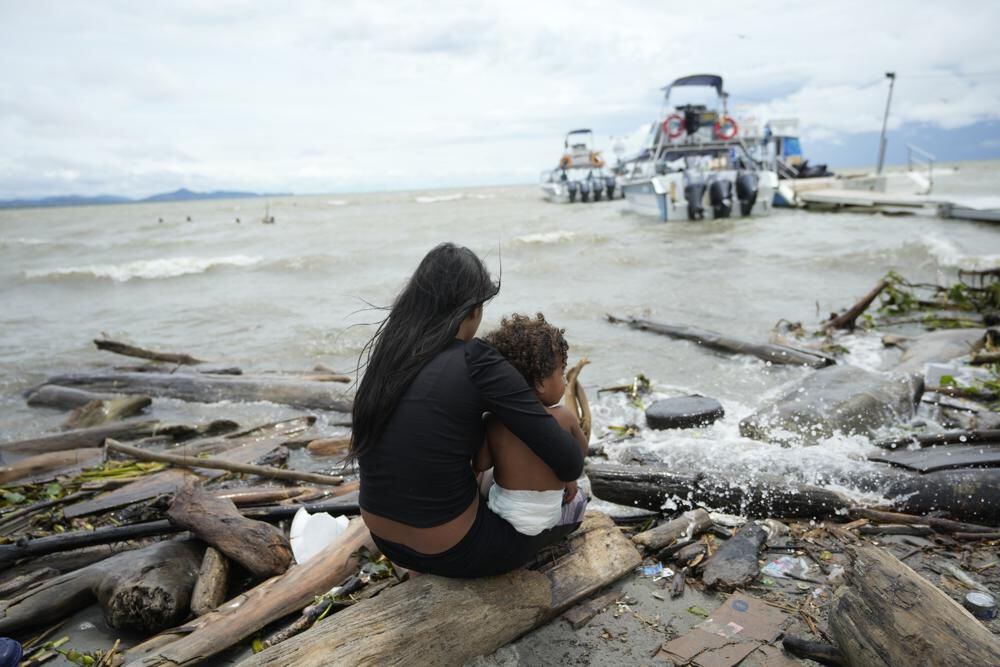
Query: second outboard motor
[609, 184]
[572, 186]
[693, 194]
[597, 188]
[584, 191]
[720, 195]
[746, 191]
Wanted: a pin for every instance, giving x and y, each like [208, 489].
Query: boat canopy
[580, 131]
[713, 80]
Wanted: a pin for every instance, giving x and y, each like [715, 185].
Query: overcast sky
[140, 97]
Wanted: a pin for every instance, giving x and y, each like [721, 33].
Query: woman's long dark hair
[449, 283]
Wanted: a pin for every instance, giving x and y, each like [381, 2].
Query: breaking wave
[547, 237]
[948, 254]
[146, 269]
[438, 198]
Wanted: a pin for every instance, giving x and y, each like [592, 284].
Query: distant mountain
[178, 195]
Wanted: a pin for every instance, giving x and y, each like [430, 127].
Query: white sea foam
[148, 269]
[23, 241]
[948, 254]
[336, 202]
[439, 198]
[547, 237]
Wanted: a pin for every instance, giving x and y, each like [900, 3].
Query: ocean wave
[946, 253]
[147, 269]
[547, 237]
[439, 198]
[336, 202]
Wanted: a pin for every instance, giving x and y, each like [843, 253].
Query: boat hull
[662, 197]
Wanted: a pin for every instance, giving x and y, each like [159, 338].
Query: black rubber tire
[683, 412]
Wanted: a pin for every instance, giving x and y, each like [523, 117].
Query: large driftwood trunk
[967, 495]
[840, 399]
[686, 526]
[267, 602]
[146, 590]
[83, 437]
[213, 388]
[50, 464]
[650, 486]
[888, 615]
[259, 547]
[436, 621]
[62, 398]
[776, 354]
[97, 413]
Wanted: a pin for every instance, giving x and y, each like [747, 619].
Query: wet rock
[735, 564]
[938, 346]
[837, 399]
[683, 412]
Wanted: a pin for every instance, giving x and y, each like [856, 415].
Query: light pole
[885, 120]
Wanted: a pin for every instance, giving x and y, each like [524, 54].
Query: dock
[985, 209]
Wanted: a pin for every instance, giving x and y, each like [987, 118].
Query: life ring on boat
[673, 126]
[726, 128]
[596, 160]
[565, 162]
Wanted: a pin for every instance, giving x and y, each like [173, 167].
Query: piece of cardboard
[740, 626]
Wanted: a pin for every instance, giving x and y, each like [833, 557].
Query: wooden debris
[329, 446]
[991, 436]
[140, 353]
[582, 613]
[247, 613]
[576, 398]
[259, 547]
[210, 589]
[889, 615]
[686, 526]
[460, 619]
[950, 457]
[106, 411]
[144, 590]
[62, 398]
[51, 463]
[15, 585]
[776, 354]
[821, 652]
[735, 564]
[677, 585]
[848, 319]
[970, 493]
[84, 437]
[202, 388]
[649, 486]
[938, 524]
[222, 464]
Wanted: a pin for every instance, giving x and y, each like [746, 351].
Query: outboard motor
[573, 187]
[609, 184]
[720, 195]
[597, 188]
[584, 191]
[746, 191]
[693, 194]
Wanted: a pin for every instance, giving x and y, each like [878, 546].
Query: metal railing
[918, 160]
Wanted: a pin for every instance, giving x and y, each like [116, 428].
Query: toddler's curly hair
[533, 346]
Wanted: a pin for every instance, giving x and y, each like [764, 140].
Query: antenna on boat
[885, 120]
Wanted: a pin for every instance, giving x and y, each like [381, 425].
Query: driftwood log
[62, 398]
[106, 411]
[145, 590]
[329, 446]
[972, 494]
[84, 437]
[210, 589]
[650, 486]
[576, 398]
[50, 464]
[275, 598]
[140, 353]
[686, 526]
[938, 346]
[989, 436]
[776, 354]
[200, 388]
[888, 615]
[259, 547]
[221, 464]
[848, 318]
[455, 619]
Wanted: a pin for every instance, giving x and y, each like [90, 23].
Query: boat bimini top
[579, 145]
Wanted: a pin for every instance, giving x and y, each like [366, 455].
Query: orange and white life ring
[673, 126]
[596, 160]
[565, 162]
[726, 128]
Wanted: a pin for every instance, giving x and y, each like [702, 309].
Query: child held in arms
[526, 492]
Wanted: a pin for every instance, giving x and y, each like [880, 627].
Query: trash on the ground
[697, 611]
[656, 571]
[311, 533]
[787, 567]
[732, 632]
[982, 605]
[582, 613]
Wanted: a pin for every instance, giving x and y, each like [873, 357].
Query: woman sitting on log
[418, 423]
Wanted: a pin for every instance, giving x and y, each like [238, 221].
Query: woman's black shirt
[420, 473]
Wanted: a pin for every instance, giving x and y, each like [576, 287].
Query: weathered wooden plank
[945, 457]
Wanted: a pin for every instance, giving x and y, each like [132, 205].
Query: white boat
[696, 163]
[580, 175]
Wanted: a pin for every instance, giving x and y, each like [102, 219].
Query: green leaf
[13, 497]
